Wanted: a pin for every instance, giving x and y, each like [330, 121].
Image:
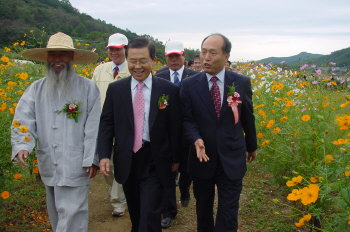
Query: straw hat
[60, 42]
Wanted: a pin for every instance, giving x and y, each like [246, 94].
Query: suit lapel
[155, 94]
[203, 92]
[229, 80]
[127, 100]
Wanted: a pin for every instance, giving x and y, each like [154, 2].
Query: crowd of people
[145, 132]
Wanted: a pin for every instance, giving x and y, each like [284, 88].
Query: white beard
[59, 84]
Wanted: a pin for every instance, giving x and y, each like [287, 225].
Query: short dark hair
[226, 48]
[142, 42]
[190, 62]
[196, 57]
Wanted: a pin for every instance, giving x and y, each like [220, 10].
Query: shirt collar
[147, 82]
[180, 71]
[120, 66]
[220, 75]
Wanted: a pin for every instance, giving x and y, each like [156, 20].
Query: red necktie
[139, 110]
[116, 71]
[215, 95]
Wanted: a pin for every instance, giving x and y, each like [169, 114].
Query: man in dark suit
[141, 115]
[176, 72]
[219, 122]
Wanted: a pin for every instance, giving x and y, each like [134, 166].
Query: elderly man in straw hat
[61, 112]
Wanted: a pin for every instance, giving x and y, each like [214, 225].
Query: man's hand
[251, 156]
[92, 171]
[22, 156]
[104, 166]
[175, 167]
[200, 150]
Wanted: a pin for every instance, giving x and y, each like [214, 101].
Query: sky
[257, 29]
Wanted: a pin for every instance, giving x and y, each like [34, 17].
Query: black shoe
[166, 222]
[185, 202]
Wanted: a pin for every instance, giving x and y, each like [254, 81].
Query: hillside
[341, 57]
[46, 17]
[291, 60]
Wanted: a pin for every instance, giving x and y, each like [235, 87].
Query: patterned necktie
[176, 78]
[215, 95]
[139, 110]
[116, 71]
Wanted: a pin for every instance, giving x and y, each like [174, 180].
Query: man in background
[176, 72]
[104, 74]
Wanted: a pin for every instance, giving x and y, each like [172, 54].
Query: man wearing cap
[176, 72]
[60, 113]
[104, 74]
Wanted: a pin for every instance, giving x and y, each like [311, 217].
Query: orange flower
[23, 76]
[310, 194]
[329, 159]
[36, 170]
[314, 179]
[347, 173]
[265, 143]
[5, 195]
[260, 135]
[270, 123]
[305, 117]
[283, 119]
[294, 195]
[276, 130]
[17, 176]
[26, 138]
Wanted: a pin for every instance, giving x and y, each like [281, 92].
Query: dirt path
[100, 212]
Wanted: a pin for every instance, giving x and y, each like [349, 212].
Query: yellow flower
[289, 103]
[309, 194]
[305, 117]
[23, 129]
[16, 123]
[294, 195]
[325, 104]
[107, 59]
[12, 111]
[259, 106]
[5, 195]
[31, 31]
[270, 123]
[329, 159]
[5, 59]
[314, 179]
[307, 217]
[7, 49]
[290, 93]
[276, 130]
[23, 76]
[347, 173]
[78, 44]
[260, 135]
[283, 119]
[15, 44]
[263, 144]
[23, 43]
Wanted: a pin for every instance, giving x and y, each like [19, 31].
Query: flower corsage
[163, 102]
[233, 101]
[71, 110]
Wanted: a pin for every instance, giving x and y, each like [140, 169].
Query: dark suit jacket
[117, 124]
[224, 141]
[165, 73]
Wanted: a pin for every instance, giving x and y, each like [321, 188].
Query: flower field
[303, 126]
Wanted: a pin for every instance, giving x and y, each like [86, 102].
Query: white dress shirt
[180, 71]
[220, 82]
